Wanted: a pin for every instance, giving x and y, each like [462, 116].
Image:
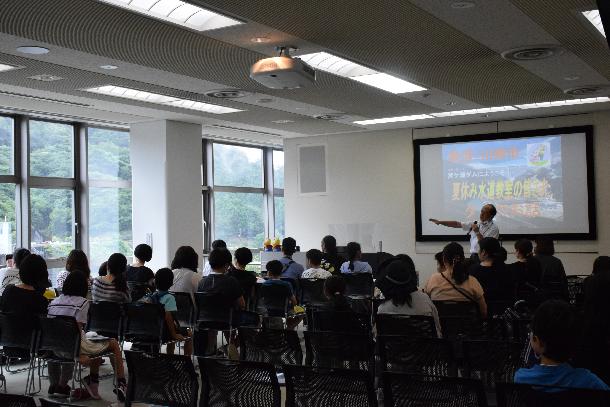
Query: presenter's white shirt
[486, 229]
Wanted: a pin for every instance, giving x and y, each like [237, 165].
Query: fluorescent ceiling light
[474, 111]
[4, 67]
[595, 19]
[564, 103]
[393, 119]
[348, 69]
[135, 94]
[177, 12]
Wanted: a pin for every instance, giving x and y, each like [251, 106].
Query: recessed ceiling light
[393, 119]
[452, 103]
[564, 103]
[177, 12]
[474, 111]
[351, 70]
[595, 19]
[45, 77]
[460, 5]
[571, 78]
[282, 121]
[533, 53]
[109, 67]
[226, 93]
[33, 50]
[265, 100]
[156, 98]
[5, 67]
[260, 40]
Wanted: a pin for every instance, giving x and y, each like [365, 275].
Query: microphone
[473, 223]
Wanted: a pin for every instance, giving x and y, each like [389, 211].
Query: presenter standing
[477, 231]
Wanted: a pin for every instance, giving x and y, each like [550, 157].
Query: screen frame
[592, 216]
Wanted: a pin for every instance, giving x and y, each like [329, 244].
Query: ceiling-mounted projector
[282, 72]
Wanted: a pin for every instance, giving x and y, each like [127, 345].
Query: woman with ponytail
[113, 286]
[455, 283]
[331, 261]
[334, 290]
[493, 275]
[355, 265]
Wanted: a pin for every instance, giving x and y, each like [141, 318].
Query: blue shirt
[280, 283]
[562, 375]
[292, 269]
[359, 267]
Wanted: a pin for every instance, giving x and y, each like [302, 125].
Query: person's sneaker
[121, 391]
[60, 391]
[92, 387]
[80, 394]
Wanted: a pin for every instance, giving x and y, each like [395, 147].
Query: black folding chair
[228, 383]
[491, 361]
[168, 380]
[359, 284]
[106, 318]
[137, 290]
[341, 321]
[402, 389]
[296, 287]
[275, 346]
[14, 400]
[186, 309]
[308, 386]
[272, 301]
[214, 311]
[340, 350]
[525, 395]
[144, 325]
[430, 356]
[576, 290]
[460, 319]
[20, 336]
[420, 326]
[312, 291]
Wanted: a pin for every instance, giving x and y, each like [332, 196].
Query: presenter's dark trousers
[474, 258]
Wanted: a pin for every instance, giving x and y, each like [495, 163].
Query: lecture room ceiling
[453, 49]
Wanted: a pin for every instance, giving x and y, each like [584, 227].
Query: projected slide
[539, 184]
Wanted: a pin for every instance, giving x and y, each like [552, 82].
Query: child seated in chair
[314, 268]
[285, 291]
[164, 279]
[553, 338]
[73, 303]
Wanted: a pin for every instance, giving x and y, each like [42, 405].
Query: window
[242, 195]
[8, 226]
[7, 149]
[51, 149]
[52, 217]
[109, 172]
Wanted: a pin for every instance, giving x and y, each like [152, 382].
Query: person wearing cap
[398, 284]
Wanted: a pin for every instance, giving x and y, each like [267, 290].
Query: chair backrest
[295, 285]
[60, 335]
[15, 334]
[359, 284]
[339, 350]
[491, 361]
[525, 395]
[459, 319]
[274, 346]
[161, 379]
[14, 400]
[229, 383]
[106, 318]
[413, 325]
[402, 389]
[431, 356]
[137, 290]
[319, 387]
[312, 291]
[186, 309]
[576, 289]
[214, 311]
[144, 322]
[272, 301]
[341, 321]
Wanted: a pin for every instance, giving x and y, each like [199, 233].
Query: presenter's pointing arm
[448, 223]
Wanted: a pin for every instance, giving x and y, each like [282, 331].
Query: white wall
[371, 181]
[166, 162]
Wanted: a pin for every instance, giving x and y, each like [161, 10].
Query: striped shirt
[70, 306]
[9, 276]
[486, 229]
[101, 290]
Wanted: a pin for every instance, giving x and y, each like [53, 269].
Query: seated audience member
[284, 291]
[354, 264]
[138, 272]
[8, 260]
[184, 267]
[440, 266]
[103, 269]
[10, 274]
[216, 244]
[164, 278]
[554, 279]
[219, 282]
[77, 260]
[398, 284]
[73, 303]
[334, 290]
[314, 270]
[247, 279]
[600, 272]
[331, 261]
[554, 338]
[492, 273]
[526, 273]
[112, 287]
[290, 268]
[454, 283]
[26, 297]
